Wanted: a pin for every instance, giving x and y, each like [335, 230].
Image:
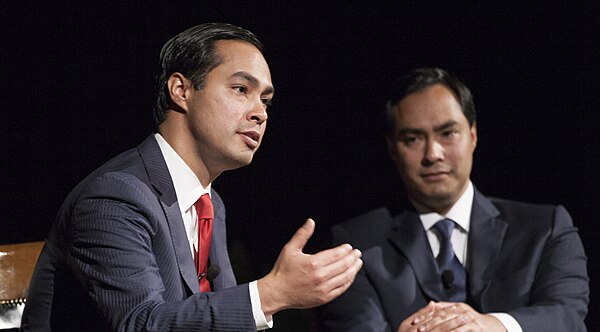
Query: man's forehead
[415, 119]
[244, 59]
[428, 110]
[236, 50]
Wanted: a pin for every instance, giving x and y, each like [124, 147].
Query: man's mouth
[251, 138]
[435, 176]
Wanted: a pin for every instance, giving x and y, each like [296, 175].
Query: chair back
[17, 262]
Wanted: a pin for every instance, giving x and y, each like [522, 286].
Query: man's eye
[408, 140]
[266, 101]
[450, 133]
[240, 89]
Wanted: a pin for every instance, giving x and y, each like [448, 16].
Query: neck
[440, 209]
[175, 134]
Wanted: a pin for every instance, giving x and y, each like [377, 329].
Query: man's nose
[258, 113]
[434, 151]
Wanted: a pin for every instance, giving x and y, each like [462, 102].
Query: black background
[78, 88]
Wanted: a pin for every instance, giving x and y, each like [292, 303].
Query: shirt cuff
[262, 322]
[509, 322]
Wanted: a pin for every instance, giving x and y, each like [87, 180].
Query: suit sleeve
[359, 308]
[111, 247]
[559, 297]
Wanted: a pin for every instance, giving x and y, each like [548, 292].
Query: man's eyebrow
[253, 81]
[407, 131]
[445, 125]
[418, 131]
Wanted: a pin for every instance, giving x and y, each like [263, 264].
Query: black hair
[192, 53]
[422, 78]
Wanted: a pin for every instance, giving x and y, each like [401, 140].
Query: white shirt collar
[187, 186]
[460, 212]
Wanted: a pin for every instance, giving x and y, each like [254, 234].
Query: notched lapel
[218, 238]
[485, 240]
[181, 245]
[410, 238]
[161, 181]
[218, 248]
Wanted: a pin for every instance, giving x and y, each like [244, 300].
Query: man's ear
[179, 90]
[473, 133]
[391, 147]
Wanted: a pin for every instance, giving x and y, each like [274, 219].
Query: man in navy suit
[120, 256]
[513, 266]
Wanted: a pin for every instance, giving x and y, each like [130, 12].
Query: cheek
[263, 127]
[408, 170]
[262, 133]
[229, 110]
[408, 161]
[462, 157]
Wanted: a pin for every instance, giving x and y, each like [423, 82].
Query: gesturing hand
[299, 280]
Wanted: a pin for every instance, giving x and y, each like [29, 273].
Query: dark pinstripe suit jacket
[117, 258]
[523, 259]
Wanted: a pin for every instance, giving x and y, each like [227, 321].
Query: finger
[410, 323]
[339, 283]
[424, 314]
[449, 323]
[431, 311]
[442, 304]
[333, 255]
[329, 268]
[446, 319]
[348, 265]
[302, 235]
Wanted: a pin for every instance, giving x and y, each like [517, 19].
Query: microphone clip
[211, 273]
[447, 279]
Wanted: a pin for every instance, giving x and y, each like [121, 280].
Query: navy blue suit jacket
[118, 259]
[523, 259]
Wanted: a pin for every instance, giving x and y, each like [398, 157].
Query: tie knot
[204, 207]
[444, 228]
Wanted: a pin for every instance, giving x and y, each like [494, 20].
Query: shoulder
[126, 168]
[123, 178]
[366, 229]
[516, 209]
[532, 216]
[133, 168]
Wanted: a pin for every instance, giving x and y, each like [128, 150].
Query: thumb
[302, 235]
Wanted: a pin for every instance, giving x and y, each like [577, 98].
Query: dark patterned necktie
[452, 273]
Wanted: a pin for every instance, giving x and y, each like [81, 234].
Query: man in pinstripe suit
[119, 255]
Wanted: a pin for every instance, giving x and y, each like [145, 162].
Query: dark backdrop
[78, 88]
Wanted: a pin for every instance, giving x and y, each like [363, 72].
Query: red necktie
[204, 210]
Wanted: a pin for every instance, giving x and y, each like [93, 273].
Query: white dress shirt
[460, 213]
[188, 190]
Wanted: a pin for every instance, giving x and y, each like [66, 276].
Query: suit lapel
[161, 181]
[485, 239]
[218, 247]
[410, 238]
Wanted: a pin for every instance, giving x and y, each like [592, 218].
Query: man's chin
[236, 162]
[244, 160]
[433, 200]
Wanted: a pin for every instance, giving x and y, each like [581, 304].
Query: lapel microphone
[447, 278]
[211, 273]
